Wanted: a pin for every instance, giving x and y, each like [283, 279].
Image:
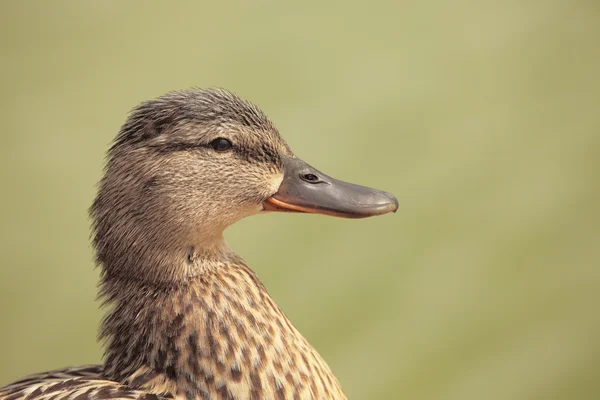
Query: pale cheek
[243, 212]
[273, 184]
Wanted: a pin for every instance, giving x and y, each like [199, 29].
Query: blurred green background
[482, 117]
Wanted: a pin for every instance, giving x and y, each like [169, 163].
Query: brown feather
[186, 317]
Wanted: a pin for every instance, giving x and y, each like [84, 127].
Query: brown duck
[187, 318]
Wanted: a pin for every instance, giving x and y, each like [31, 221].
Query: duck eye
[221, 144]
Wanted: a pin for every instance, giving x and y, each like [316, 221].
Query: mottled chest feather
[216, 336]
[77, 383]
[219, 335]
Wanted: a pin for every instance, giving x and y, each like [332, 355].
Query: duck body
[187, 318]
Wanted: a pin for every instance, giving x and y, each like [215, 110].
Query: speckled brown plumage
[216, 336]
[77, 383]
[187, 318]
[226, 338]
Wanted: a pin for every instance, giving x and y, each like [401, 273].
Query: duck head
[187, 165]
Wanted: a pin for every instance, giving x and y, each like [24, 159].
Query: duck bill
[304, 189]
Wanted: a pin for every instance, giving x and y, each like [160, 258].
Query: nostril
[311, 178]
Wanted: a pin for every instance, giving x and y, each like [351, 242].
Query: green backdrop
[481, 117]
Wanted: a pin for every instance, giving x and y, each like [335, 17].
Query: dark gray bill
[305, 189]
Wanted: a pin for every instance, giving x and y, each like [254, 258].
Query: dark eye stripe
[264, 154]
[178, 146]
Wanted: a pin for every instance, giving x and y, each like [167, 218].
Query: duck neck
[215, 334]
[156, 259]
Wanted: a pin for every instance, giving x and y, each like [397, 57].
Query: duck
[186, 317]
